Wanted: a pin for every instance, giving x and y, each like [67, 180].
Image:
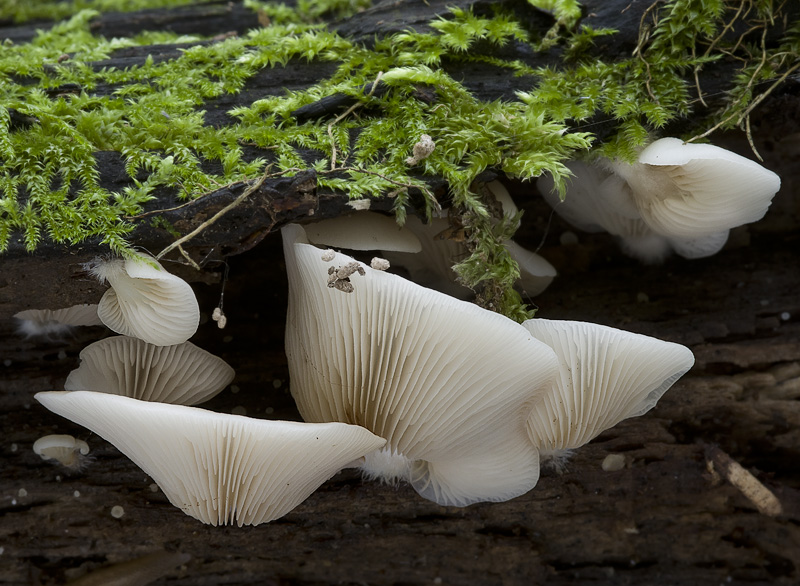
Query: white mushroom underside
[77, 315]
[363, 230]
[220, 469]
[147, 302]
[605, 376]
[446, 382]
[182, 374]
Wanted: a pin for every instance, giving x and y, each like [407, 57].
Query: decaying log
[665, 518]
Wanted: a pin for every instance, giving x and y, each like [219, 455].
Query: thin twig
[752, 105]
[697, 80]
[245, 194]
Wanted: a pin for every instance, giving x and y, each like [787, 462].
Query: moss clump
[154, 115]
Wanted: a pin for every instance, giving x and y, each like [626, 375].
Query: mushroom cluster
[404, 382]
[135, 392]
[467, 399]
[677, 196]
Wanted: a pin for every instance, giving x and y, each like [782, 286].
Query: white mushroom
[535, 272]
[218, 468]
[56, 322]
[433, 266]
[145, 301]
[363, 231]
[182, 374]
[64, 448]
[605, 375]
[598, 199]
[685, 190]
[448, 384]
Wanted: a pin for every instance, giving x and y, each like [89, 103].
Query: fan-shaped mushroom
[182, 374]
[599, 200]
[220, 469]
[145, 301]
[56, 322]
[605, 375]
[685, 190]
[448, 384]
[63, 448]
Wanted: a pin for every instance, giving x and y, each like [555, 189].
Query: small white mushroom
[433, 266]
[56, 322]
[605, 375]
[685, 190]
[598, 200]
[448, 384]
[145, 301]
[422, 150]
[182, 374]
[535, 273]
[363, 231]
[64, 448]
[218, 468]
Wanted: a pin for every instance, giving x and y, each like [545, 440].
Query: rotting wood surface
[666, 518]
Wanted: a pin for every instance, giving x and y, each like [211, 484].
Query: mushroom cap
[147, 302]
[700, 247]
[503, 197]
[182, 374]
[433, 265]
[218, 468]
[535, 272]
[596, 200]
[45, 322]
[78, 315]
[605, 375]
[363, 231]
[448, 384]
[63, 448]
[688, 190]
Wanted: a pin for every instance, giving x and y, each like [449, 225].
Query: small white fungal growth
[117, 512]
[218, 316]
[145, 301]
[422, 150]
[63, 448]
[55, 323]
[328, 255]
[387, 466]
[613, 462]
[22, 493]
[360, 205]
[379, 264]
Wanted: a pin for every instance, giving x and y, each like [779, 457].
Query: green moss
[20, 11]
[154, 116]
